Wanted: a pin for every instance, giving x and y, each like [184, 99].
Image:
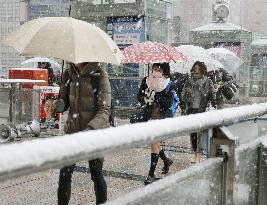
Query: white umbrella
[227, 58]
[41, 59]
[193, 54]
[66, 38]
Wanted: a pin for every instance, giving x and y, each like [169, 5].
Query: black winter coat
[162, 100]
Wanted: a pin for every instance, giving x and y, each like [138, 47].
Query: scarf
[157, 84]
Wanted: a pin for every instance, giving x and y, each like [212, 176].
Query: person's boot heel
[166, 167]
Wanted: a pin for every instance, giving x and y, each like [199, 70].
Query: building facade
[16, 12]
[13, 13]
[128, 22]
[248, 14]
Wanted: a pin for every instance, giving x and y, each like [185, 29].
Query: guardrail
[38, 155]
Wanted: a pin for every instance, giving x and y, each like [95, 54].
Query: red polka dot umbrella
[151, 52]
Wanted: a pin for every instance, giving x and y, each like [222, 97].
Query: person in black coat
[158, 100]
[221, 80]
[47, 66]
[179, 80]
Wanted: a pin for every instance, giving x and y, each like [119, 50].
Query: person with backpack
[89, 109]
[222, 80]
[198, 92]
[157, 93]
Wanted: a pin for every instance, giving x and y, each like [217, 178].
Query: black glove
[59, 105]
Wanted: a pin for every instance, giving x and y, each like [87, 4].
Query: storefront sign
[126, 30]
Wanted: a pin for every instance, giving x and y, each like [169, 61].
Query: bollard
[220, 136]
[262, 173]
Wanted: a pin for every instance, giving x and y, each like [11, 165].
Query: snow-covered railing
[204, 183]
[38, 155]
[41, 154]
[194, 185]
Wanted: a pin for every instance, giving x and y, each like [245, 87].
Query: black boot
[151, 176]
[167, 162]
[166, 166]
[162, 155]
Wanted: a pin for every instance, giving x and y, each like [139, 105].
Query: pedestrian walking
[47, 66]
[156, 91]
[198, 92]
[221, 80]
[86, 93]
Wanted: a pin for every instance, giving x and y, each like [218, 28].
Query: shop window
[255, 60]
[3, 12]
[10, 12]
[16, 12]
[10, 29]
[10, 19]
[3, 30]
[4, 69]
[4, 55]
[3, 5]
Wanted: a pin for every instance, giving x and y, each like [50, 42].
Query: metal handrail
[38, 155]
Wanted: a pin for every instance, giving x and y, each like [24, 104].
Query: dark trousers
[193, 139]
[100, 187]
[194, 135]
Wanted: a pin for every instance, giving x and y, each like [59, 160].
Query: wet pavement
[124, 171]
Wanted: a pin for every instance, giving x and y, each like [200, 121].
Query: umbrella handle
[60, 83]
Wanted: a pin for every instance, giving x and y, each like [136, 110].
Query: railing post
[219, 138]
[262, 171]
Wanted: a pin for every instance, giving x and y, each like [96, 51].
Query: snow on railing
[174, 189]
[41, 154]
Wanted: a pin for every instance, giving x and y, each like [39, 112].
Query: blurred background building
[167, 21]
[190, 14]
[248, 17]
[128, 22]
[13, 13]
[16, 12]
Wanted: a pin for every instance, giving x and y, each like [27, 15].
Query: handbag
[140, 114]
[229, 92]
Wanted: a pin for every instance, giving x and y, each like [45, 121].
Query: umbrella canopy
[41, 59]
[66, 38]
[187, 66]
[193, 54]
[227, 58]
[151, 52]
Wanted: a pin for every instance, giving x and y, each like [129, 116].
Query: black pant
[193, 136]
[100, 187]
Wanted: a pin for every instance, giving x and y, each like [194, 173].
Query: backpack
[228, 92]
[175, 100]
[95, 86]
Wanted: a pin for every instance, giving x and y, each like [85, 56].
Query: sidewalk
[124, 171]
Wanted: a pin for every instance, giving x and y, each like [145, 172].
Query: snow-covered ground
[124, 172]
